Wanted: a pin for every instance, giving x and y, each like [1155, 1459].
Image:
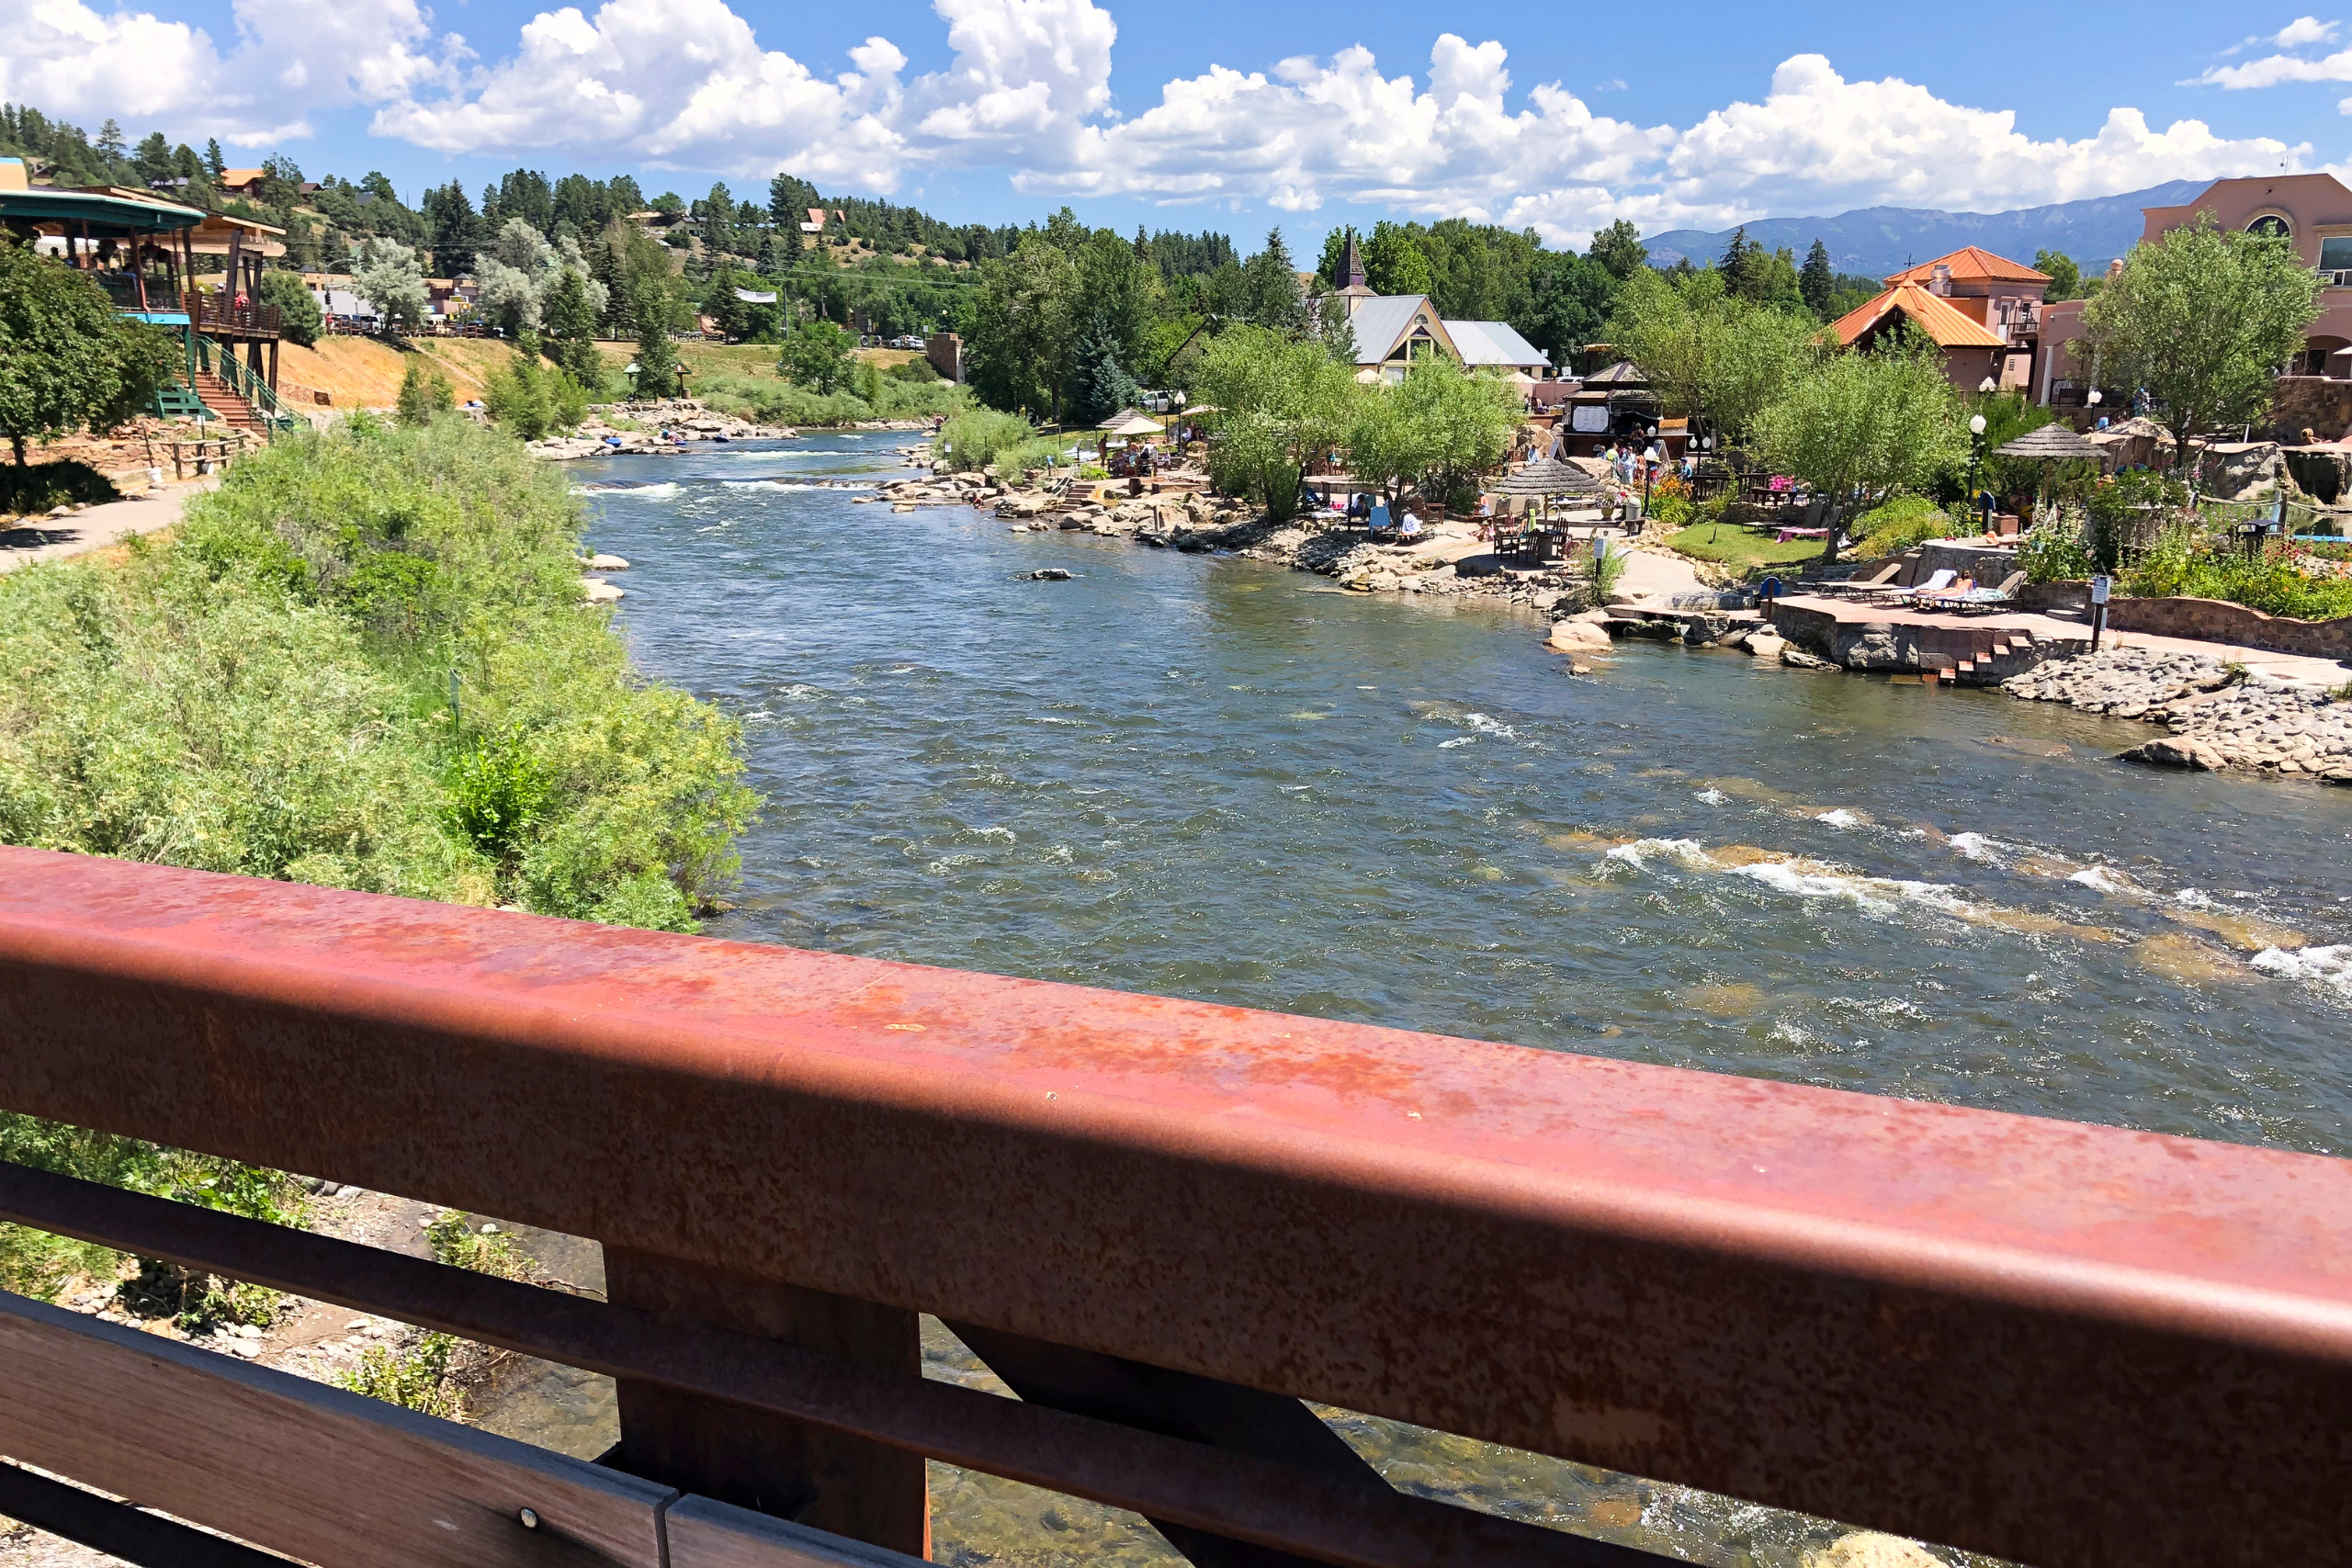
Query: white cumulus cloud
[681, 83]
[1027, 90]
[1817, 138]
[289, 57]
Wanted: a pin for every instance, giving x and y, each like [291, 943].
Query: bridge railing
[1164, 1223]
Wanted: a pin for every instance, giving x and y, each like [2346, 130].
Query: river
[1210, 778]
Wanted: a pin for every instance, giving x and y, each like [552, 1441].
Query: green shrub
[423, 393]
[36, 1263]
[298, 318]
[1672, 511]
[2277, 580]
[1045, 453]
[2117, 512]
[1900, 523]
[497, 790]
[534, 399]
[416, 1378]
[483, 1249]
[770, 402]
[264, 693]
[2053, 552]
[918, 370]
[971, 441]
[267, 694]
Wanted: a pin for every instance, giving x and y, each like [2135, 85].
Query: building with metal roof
[1391, 331]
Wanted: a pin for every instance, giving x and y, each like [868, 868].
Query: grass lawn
[1741, 548]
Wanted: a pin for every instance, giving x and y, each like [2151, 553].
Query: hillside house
[1391, 331]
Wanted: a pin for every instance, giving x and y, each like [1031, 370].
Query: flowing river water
[1211, 778]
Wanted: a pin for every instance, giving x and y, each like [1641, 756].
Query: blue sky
[1223, 113]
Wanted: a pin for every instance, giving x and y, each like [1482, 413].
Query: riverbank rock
[2218, 716]
[1044, 574]
[601, 562]
[1578, 637]
[599, 592]
[1796, 658]
[1765, 644]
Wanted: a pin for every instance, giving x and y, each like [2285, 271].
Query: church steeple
[1352, 265]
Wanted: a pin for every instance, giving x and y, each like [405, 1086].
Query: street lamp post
[1975, 455]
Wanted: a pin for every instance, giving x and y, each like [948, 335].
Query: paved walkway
[2261, 661]
[78, 532]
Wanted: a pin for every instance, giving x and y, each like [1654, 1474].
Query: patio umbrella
[1546, 479]
[2053, 443]
[1128, 423]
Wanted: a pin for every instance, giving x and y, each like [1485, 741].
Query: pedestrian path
[96, 528]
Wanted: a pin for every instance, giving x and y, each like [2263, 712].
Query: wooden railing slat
[705, 1533]
[300, 1468]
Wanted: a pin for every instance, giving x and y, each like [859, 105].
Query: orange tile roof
[1930, 313]
[1972, 264]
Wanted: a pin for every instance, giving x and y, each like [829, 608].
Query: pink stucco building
[2314, 211]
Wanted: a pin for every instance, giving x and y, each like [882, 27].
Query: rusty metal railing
[1165, 1223]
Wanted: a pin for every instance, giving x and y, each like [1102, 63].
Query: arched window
[2270, 226]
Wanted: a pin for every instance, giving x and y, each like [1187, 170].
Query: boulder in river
[1044, 574]
[1576, 637]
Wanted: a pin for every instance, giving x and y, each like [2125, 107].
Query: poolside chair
[1945, 597]
[1882, 578]
[1985, 598]
[1935, 584]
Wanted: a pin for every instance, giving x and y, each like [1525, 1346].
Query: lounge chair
[1945, 597]
[1991, 598]
[1935, 584]
[1882, 578]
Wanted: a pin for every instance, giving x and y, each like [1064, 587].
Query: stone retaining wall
[2042, 598]
[2217, 620]
[1892, 647]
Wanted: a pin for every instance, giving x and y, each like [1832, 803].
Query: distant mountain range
[1876, 241]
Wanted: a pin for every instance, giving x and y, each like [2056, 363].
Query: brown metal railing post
[849, 1485]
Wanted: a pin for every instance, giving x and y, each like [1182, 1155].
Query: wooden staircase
[222, 401]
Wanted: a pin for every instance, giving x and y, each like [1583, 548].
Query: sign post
[2100, 587]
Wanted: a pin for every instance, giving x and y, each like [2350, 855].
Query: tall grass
[268, 692]
[970, 441]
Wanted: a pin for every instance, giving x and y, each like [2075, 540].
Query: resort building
[2312, 211]
[1982, 310]
[1391, 331]
[171, 266]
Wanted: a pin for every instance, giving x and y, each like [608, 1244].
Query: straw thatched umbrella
[1546, 479]
[1128, 423]
[2053, 443]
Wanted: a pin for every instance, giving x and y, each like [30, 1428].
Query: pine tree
[1738, 264]
[1816, 280]
[657, 358]
[110, 142]
[571, 317]
[214, 163]
[1099, 385]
